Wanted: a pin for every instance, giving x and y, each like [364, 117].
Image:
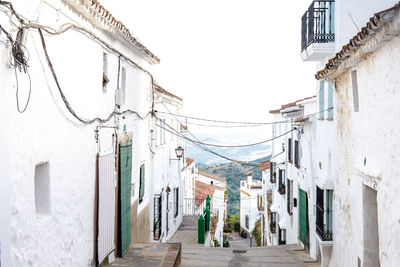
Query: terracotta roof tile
[288, 105]
[264, 165]
[163, 91]
[374, 25]
[202, 190]
[118, 25]
[189, 161]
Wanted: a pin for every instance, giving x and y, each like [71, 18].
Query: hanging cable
[241, 124]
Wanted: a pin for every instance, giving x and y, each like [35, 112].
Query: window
[289, 197]
[246, 219]
[272, 172]
[105, 72]
[176, 195]
[290, 150]
[42, 189]
[321, 99]
[157, 217]
[272, 224]
[296, 154]
[330, 100]
[282, 187]
[324, 213]
[123, 86]
[141, 184]
[354, 84]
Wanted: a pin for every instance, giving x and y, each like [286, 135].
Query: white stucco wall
[368, 136]
[208, 180]
[46, 132]
[248, 205]
[167, 170]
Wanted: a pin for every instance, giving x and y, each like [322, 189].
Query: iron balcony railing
[318, 23]
[324, 232]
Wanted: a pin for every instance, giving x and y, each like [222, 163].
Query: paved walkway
[239, 255]
[149, 255]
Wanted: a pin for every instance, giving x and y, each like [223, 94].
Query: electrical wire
[26, 24]
[242, 124]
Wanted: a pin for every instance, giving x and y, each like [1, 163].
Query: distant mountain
[233, 173]
[250, 153]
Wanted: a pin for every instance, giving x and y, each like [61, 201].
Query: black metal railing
[282, 186]
[321, 228]
[317, 23]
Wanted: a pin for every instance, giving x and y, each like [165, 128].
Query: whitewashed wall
[46, 132]
[166, 170]
[368, 136]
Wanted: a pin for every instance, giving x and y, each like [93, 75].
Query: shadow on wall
[140, 224]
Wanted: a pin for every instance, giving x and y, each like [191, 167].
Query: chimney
[249, 178]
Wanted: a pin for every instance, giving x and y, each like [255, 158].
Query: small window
[354, 84]
[330, 100]
[290, 150]
[176, 195]
[321, 99]
[105, 72]
[296, 154]
[123, 85]
[141, 184]
[247, 221]
[42, 189]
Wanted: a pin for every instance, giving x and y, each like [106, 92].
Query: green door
[124, 198]
[303, 217]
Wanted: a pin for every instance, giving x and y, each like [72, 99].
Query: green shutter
[330, 100]
[141, 186]
[302, 216]
[321, 99]
[124, 198]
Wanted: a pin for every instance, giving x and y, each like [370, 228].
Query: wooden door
[124, 198]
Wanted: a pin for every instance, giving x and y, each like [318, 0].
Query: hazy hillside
[244, 153]
[234, 173]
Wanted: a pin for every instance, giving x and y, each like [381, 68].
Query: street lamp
[179, 152]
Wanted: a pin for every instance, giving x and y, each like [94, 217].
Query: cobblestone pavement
[239, 255]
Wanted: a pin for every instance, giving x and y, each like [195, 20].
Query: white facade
[366, 228]
[348, 18]
[250, 190]
[190, 175]
[167, 168]
[47, 190]
[290, 171]
[211, 179]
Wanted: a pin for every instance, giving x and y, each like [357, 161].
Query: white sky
[227, 59]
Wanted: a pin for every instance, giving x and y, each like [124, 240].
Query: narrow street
[239, 255]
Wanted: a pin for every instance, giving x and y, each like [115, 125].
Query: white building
[326, 27]
[291, 176]
[365, 220]
[211, 179]
[167, 182]
[75, 188]
[250, 203]
[218, 207]
[190, 175]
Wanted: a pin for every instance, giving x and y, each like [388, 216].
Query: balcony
[318, 31]
[323, 231]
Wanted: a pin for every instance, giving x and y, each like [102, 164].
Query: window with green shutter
[321, 99]
[141, 183]
[330, 100]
